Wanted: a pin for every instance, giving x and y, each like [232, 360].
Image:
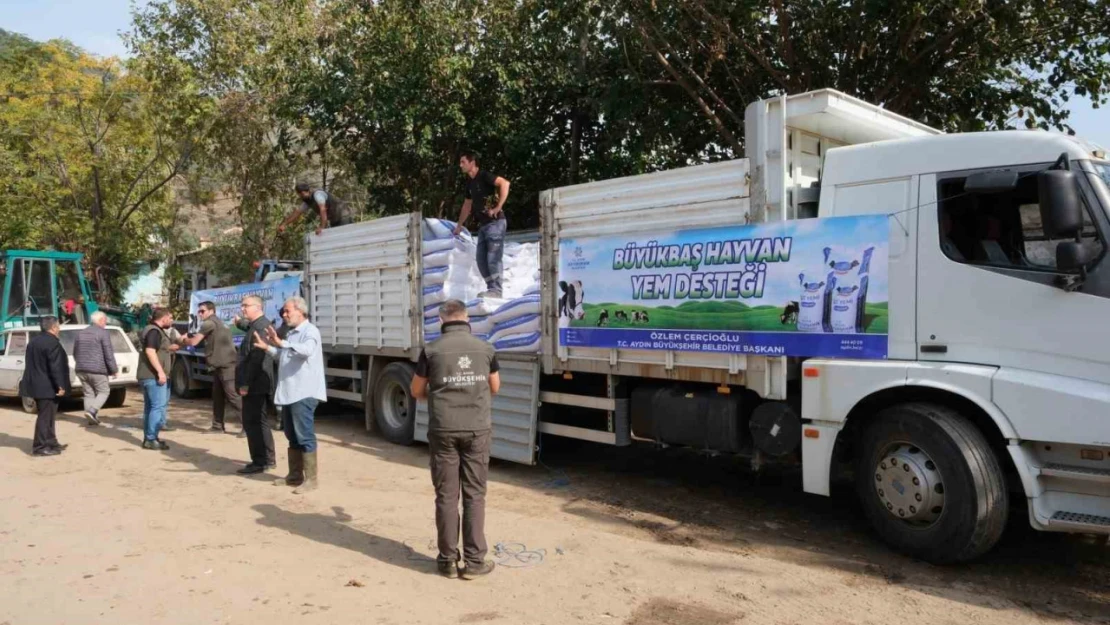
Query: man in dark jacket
[46, 380]
[219, 353]
[255, 379]
[95, 362]
[458, 375]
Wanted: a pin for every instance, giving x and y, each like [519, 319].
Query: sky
[95, 26]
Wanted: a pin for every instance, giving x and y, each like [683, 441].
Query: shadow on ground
[335, 530]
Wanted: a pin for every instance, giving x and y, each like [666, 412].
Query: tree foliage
[87, 157]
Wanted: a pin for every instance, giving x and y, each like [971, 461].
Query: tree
[238, 60]
[87, 156]
[961, 66]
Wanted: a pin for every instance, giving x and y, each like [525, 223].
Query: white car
[15, 348]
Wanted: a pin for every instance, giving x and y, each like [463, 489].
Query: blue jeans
[491, 245]
[298, 422]
[156, 397]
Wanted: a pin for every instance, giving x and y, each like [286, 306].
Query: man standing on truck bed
[255, 379]
[219, 353]
[333, 212]
[457, 374]
[480, 186]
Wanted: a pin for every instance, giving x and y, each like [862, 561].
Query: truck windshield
[1102, 178]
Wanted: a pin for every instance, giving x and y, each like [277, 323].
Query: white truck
[993, 384]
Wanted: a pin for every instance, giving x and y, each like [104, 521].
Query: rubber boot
[296, 469]
[310, 484]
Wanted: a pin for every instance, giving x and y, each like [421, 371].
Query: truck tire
[180, 381]
[930, 484]
[394, 406]
[116, 397]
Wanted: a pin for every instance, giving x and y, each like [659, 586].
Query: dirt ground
[110, 533]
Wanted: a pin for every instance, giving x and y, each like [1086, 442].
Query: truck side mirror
[1070, 256]
[1061, 211]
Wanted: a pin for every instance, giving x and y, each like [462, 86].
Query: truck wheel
[180, 382]
[394, 406]
[30, 406]
[930, 484]
[116, 397]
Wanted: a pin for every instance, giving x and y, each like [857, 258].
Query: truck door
[988, 295]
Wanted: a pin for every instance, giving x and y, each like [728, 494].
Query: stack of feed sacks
[449, 270]
[511, 323]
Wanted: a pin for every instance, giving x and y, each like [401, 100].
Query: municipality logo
[464, 362]
[578, 252]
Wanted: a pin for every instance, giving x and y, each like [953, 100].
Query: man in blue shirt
[300, 388]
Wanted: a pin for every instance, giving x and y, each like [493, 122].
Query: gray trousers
[96, 389]
[460, 462]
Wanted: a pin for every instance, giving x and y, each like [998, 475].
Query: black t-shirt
[481, 190]
[152, 340]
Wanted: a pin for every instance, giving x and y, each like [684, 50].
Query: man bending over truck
[480, 186]
[332, 211]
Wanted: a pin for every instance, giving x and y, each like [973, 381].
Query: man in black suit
[255, 380]
[46, 380]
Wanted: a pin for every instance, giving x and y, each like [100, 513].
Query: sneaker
[474, 571]
[489, 295]
[49, 451]
[450, 570]
[156, 445]
[251, 469]
[166, 427]
[92, 419]
[217, 428]
[60, 446]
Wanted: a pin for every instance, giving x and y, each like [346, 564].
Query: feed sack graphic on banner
[814, 287]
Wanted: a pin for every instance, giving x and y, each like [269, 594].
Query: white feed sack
[511, 323]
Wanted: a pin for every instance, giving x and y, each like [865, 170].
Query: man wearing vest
[154, 362]
[458, 376]
[219, 353]
[255, 379]
[333, 212]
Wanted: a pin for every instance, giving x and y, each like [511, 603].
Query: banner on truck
[813, 287]
[227, 301]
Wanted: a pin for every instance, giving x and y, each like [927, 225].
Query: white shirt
[300, 366]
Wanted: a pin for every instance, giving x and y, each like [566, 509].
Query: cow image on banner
[806, 288]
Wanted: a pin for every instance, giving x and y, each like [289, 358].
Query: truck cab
[998, 260]
[997, 379]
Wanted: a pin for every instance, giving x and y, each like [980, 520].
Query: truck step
[1085, 474]
[1081, 522]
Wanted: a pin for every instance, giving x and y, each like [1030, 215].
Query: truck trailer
[952, 362]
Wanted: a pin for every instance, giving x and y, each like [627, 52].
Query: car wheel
[116, 398]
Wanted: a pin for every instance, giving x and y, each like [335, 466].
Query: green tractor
[42, 284]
